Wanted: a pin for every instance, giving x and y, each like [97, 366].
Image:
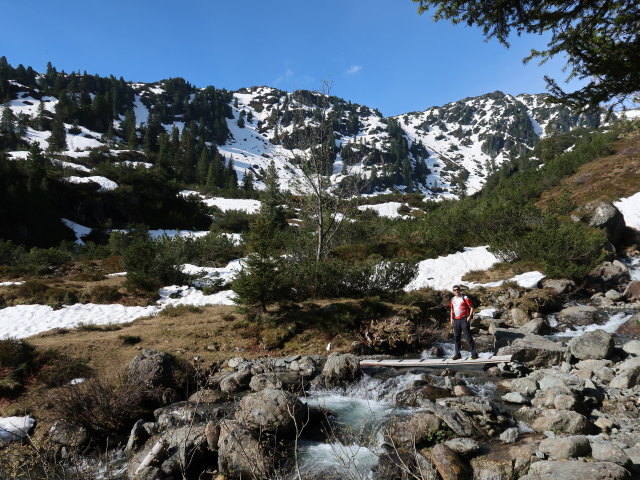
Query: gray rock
[416, 431]
[559, 286]
[138, 436]
[467, 447]
[152, 368]
[510, 435]
[580, 315]
[238, 381]
[525, 386]
[609, 452]
[271, 411]
[503, 337]
[596, 344]
[574, 470]
[68, 434]
[566, 447]
[565, 421]
[534, 351]
[614, 295]
[537, 326]
[565, 402]
[340, 369]
[240, 454]
[515, 397]
[610, 273]
[185, 413]
[606, 216]
[208, 395]
[626, 379]
[234, 362]
[182, 446]
[632, 347]
[519, 317]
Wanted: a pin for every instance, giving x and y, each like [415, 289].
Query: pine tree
[58, 137]
[241, 120]
[247, 181]
[202, 168]
[8, 122]
[129, 129]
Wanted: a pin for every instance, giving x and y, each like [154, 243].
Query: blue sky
[380, 53]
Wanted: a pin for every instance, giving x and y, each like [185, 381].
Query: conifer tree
[58, 137]
[247, 181]
[8, 122]
[202, 169]
[129, 129]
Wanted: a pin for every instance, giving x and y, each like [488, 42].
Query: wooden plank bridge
[433, 362]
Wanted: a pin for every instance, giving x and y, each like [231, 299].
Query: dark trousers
[461, 325]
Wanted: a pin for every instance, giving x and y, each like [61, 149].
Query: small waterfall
[615, 321]
[633, 264]
[362, 410]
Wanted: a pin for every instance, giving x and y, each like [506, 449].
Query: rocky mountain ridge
[441, 152]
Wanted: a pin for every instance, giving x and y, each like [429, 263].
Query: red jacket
[464, 307]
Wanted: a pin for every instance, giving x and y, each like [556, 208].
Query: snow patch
[15, 428]
[630, 209]
[79, 230]
[104, 182]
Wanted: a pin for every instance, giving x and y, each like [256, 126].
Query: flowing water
[361, 410]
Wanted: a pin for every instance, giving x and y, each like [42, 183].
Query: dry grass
[607, 178]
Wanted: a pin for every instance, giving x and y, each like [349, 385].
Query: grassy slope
[608, 178]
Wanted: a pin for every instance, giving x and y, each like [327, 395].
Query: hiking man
[461, 313]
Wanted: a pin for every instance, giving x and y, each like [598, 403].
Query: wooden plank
[432, 362]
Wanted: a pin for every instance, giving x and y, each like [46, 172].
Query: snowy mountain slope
[441, 152]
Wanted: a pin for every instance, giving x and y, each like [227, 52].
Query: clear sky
[380, 53]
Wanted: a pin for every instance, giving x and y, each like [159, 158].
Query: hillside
[441, 152]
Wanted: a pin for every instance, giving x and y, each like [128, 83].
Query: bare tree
[327, 204]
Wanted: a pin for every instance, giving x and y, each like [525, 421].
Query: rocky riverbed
[567, 405]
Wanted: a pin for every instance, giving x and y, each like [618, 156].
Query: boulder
[537, 326]
[140, 433]
[632, 292]
[632, 347]
[580, 315]
[414, 396]
[504, 461]
[574, 470]
[559, 286]
[467, 447]
[609, 452]
[449, 464]
[208, 395]
[178, 451]
[564, 421]
[417, 431]
[503, 337]
[610, 274]
[185, 413]
[341, 369]
[240, 455]
[534, 351]
[563, 448]
[236, 381]
[290, 381]
[68, 434]
[606, 216]
[519, 317]
[510, 435]
[525, 386]
[596, 344]
[614, 295]
[515, 397]
[270, 410]
[152, 369]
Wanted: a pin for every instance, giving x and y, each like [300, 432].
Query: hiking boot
[474, 356]
[457, 356]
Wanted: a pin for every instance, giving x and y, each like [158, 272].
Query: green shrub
[16, 363]
[57, 369]
[233, 221]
